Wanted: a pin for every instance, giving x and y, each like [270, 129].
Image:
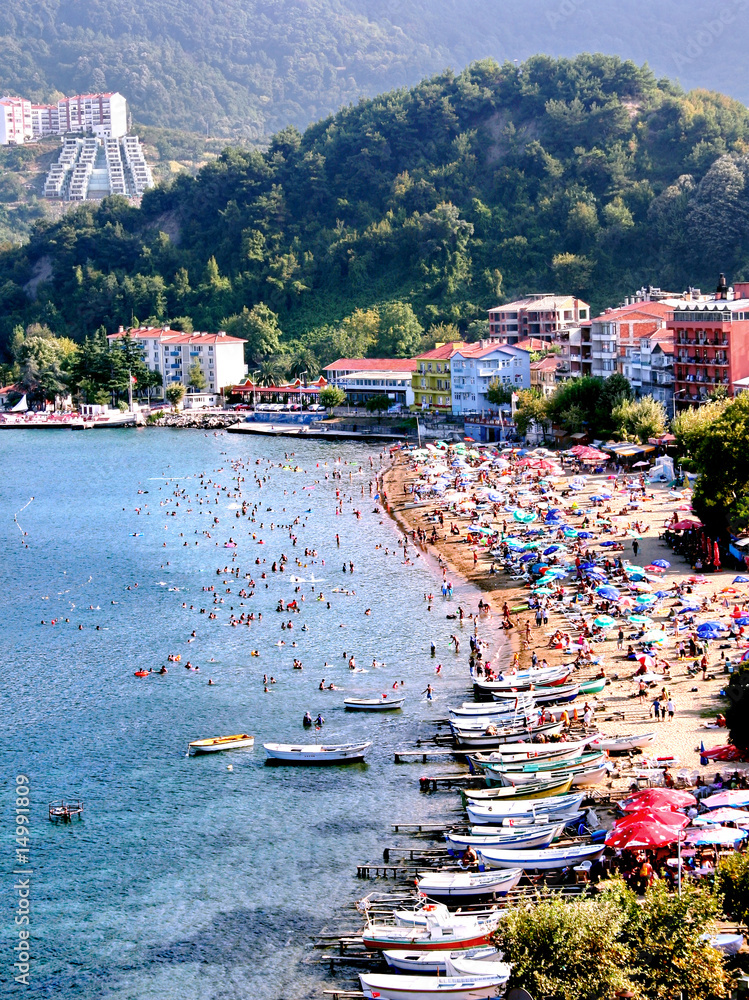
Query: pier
[64, 812]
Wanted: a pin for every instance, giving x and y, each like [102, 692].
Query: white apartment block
[103, 115]
[473, 369]
[173, 353]
[15, 121]
[92, 168]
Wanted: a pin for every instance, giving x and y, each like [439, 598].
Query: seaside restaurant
[289, 393]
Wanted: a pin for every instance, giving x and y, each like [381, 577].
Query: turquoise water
[187, 880]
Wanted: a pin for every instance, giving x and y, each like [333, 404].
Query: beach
[697, 702]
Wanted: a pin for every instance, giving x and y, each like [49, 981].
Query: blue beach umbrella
[717, 835]
[744, 620]
[585, 534]
[610, 593]
[551, 549]
[528, 556]
[662, 563]
[741, 579]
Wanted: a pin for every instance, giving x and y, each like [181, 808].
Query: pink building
[539, 315]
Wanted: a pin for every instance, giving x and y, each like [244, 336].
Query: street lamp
[303, 382]
[677, 392]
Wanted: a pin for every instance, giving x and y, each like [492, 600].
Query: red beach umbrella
[659, 798]
[642, 834]
[664, 817]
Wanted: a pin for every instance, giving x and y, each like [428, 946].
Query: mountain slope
[247, 68]
[583, 175]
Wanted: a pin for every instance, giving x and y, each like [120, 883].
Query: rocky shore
[199, 420]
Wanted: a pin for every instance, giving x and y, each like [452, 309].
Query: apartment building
[173, 353]
[542, 316]
[91, 168]
[711, 343]
[616, 331]
[431, 380]
[15, 121]
[370, 382]
[543, 375]
[338, 370]
[473, 368]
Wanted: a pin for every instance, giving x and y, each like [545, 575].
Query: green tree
[378, 404]
[331, 396]
[175, 393]
[532, 408]
[259, 328]
[565, 950]
[572, 272]
[195, 377]
[498, 394]
[721, 494]
[400, 331]
[732, 873]
[690, 425]
[639, 420]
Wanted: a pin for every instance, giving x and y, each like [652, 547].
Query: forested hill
[247, 68]
[582, 176]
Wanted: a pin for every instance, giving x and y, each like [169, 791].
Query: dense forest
[402, 219]
[247, 68]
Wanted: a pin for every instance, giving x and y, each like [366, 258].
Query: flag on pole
[133, 380]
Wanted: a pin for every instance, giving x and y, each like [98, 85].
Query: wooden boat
[527, 770]
[594, 686]
[469, 709]
[558, 695]
[548, 859]
[538, 788]
[620, 744]
[522, 752]
[516, 734]
[315, 753]
[465, 885]
[221, 743]
[580, 777]
[373, 704]
[440, 934]
[511, 838]
[420, 962]
[556, 808]
[398, 987]
[522, 682]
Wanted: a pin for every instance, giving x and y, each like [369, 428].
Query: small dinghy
[460, 885]
[620, 744]
[383, 704]
[398, 987]
[315, 753]
[522, 838]
[549, 859]
[420, 962]
[442, 932]
[221, 743]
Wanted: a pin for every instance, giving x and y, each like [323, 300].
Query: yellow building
[431, 380]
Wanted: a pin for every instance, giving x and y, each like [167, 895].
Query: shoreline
[618, 710]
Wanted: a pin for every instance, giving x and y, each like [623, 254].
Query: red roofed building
[544, 374]
[431, 381]
[172, 353]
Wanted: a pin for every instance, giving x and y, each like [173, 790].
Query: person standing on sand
[635, 547]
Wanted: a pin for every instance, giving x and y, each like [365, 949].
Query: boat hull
[372, 705]
[312, 754]
[463, 885]
[525, 841]
[549, 859]
[390, 987]
[379, 937]
[425, 962]
[221, 743]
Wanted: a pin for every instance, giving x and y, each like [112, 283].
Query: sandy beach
[619, 710]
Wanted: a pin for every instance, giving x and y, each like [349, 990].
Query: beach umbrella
[646, 660]
[654, 814]
[638, 834]
[662, 563]
[725, 814]
[654, 569]
[730, 797]
[569, 533]
[585, 534]
[640, 620]
[643, 588]
[527, 557]
[655, 635]
[646, 599]
[552, 548]
[605, 621]
[513, 543]
[657, 798]
[607, 544]
[743, 620]
[526, 516]
[741, 579]
[542, 590]
[587, 565]
[716, 835]
[610, 593]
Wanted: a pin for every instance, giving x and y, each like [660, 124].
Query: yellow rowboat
[222, 743]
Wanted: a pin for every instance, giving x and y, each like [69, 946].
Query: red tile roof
[446, 351]
[168, 336]
[545, 364]
[532, 344]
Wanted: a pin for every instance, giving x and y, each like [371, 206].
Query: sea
[193, 878]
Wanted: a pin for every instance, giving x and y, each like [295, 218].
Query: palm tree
[304, 361]
[272, 370]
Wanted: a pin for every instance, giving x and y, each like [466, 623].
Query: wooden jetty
[64, 812]
[424, 754]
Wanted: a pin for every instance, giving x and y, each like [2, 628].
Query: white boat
[389, 987]
[469, 709]
[522, 753]
[517, 838]
[619, 744]
[558, 808]
[524, 681]
[315, 753]
[442, 932]
[373, 704]
[557, 695]
[729, 944]
[459, 885]
[550, 858]
[433, 961]
[221, 743]
[519, 734]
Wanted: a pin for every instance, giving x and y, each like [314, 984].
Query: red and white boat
[442, 931]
